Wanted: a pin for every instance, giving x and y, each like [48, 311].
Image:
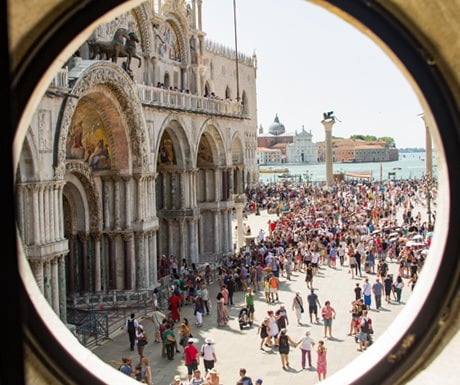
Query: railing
[95, 316]
[184, 101]
[90, 326]
[165, 98]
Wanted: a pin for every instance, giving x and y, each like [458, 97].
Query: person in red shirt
[192, 358]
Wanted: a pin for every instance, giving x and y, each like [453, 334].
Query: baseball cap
[176, 378]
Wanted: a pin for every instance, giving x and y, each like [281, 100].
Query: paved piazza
[236, 349]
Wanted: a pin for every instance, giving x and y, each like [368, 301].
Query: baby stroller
[243, 318]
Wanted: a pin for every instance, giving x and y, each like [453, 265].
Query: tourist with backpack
[365, 331]
[131, 326]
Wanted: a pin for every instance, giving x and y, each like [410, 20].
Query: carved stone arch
[104, 79]
[210, 148]
[28, 161]
[237, 149]
[147, 36]
[80, 178]
[174, 126]
[179, 27]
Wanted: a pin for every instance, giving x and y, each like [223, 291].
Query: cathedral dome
[276, 128]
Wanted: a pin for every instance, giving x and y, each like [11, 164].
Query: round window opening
[411, 338]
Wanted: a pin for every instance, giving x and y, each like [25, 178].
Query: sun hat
[176, 378]
[213, 371]
[209, 340]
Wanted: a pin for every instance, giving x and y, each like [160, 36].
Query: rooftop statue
[129, 51]
[329, 115]
[109, 49]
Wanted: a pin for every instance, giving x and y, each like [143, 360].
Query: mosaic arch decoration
[88, 141]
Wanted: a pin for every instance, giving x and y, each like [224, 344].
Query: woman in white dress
[274, 330]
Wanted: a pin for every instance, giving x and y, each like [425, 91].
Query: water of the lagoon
[410, 165]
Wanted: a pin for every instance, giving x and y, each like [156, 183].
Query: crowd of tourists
[359, 228]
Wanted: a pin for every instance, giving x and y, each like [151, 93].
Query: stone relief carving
[44, 131]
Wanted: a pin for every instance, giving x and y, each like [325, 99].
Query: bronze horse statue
[109, 50]
[129, 51]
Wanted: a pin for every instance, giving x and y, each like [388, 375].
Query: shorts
[191, 367]
[362, 337]
[327, 321]
[273, 290]
[313, 310]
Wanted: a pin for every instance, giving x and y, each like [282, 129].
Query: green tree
[389, 140]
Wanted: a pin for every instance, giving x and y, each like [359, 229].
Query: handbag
[171, 338]
[142, 342]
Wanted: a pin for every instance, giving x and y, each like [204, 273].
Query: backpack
[366, 327]
[131, 328]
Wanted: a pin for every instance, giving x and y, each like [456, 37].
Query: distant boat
[396, 168]
[274, 170]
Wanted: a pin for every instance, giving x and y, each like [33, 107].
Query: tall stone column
[55, 285]
[97, 262]
[112, 265]
[328, 123]
[240, 202]
[428, 150]
[83, 238]
[128, 260]
[62, 288]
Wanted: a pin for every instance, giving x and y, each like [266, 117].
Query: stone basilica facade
[126, 162]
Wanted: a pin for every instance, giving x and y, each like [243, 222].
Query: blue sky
[310, 61]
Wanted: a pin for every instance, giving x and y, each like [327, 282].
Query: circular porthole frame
[407, 351]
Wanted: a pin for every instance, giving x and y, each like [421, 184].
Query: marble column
[112, 263]
[37, 269]
[428, 149]
[328, 123]
[62, 288]
[55, 285]
[216, 217]
[47, 281]
[140, 261]
[83, 238]
[71, 263]
[154, 256]
[116, 203]
[128, 199]
[240, 202]
[128, 260]
[97, 262]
